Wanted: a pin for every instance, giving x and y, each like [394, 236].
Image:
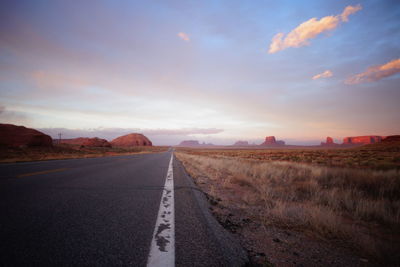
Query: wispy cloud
[309, 29]
[325, 74]
[348, 11]
[375, 73]
[11, 116]
[184, 36]
[111, 133]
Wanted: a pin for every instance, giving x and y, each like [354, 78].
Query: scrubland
[377, 156]
[305, 191]
[66, 151]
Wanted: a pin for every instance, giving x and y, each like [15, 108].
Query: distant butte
[189, 143]
[241, 143]
[329, 142]
[362, 140]
[271, 141]
[193, 143]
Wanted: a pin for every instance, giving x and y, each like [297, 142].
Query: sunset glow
[213, 71]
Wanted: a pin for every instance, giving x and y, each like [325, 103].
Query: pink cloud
[375, 73]
[325, 74]
[348, 11]
[309, 29]
[184, 36]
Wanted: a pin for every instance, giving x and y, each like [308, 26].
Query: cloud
[325, 74]
[184, 131]
[301, 35]
[111, 133]
[53, 80]
[12, 116]
[348, 11]
[375, 73]
[184, 36]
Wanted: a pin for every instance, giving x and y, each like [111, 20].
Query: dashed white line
[162, 250]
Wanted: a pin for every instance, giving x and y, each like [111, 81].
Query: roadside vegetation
[377, 156]
[66, 151]
[302, 191]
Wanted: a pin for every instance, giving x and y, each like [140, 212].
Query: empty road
[111, 211]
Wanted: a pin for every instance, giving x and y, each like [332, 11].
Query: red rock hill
[19, 136]
[85, 141]
[391, 138]
[96, 142]
[133, 139]
[362, 140]
[73, 141]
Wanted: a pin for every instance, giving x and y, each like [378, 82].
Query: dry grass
[377, 156]
[361, 207]
[65, 151]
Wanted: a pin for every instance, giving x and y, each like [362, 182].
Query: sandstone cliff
[362, 140]
[20, 136]
[133, 139]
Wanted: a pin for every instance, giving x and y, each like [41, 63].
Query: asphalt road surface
[103, 212]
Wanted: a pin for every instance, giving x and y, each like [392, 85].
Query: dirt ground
[268, 245]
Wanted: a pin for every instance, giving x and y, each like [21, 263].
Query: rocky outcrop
[271, 141]
[241, 143]
[329, 142]
[362, 140]
[189, 143]
[20, 136]
[391, 138]
[85, 141]
[73, 141]
[133, 139]
[96, 142]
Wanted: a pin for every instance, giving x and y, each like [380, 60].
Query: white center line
[162, 250]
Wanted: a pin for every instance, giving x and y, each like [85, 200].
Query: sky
[213, 71]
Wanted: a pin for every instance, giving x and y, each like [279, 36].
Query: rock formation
[133, 139]
[20, 136]
[96, 142]
[85, 141]
[73, 141]
[329, 142]
[189, 143]
[241, 143]
[391, 138]
[362, 140]
[271, 141]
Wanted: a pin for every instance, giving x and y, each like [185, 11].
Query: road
[103, 212]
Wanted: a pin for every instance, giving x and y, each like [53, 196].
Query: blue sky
[100, 68]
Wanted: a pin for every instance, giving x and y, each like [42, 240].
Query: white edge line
[162, 250]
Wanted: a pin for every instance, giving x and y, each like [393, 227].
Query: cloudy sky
[215, 71]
